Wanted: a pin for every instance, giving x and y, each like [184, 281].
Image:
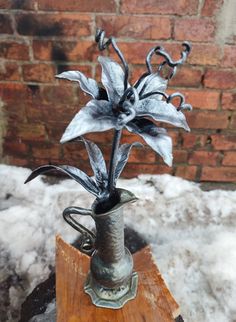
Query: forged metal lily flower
[119, 105]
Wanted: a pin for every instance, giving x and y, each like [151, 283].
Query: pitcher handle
[88, 237]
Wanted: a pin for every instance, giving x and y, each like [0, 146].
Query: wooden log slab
[154, 302]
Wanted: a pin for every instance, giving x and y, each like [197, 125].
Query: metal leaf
[152, 83]
[76, 174]
[97, 163]
[96, 116]
[123, 156]
[155, 137]
[88, 85]
[161, 111]
[112, 78]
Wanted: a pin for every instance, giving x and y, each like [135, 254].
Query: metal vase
[111, 281]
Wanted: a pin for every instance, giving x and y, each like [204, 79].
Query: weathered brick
[180, 7]
[222, 174]
[5, 24]
[79, 5]
[194, 140]
[65, 51]
[52, 152]
[30, 132]
[204, 158]
[42, 73]
[134, 169]
[194, 29]
[229, 158]
[229, 101]
[211, 7]
[203, 54]
[23, 5]
[9, 72]
[229, 58]
[136, 26]
[203, 99]
[186, 172]
[179, 156]
[14, 50]
[20, 162]
[222, 79]
[15, 148]
[207, 120]
[223, 142]
[85, 69]
[69, 25]
[58, 95]
[233, 122]
[187, 77]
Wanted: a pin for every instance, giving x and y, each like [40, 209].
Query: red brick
[30, 132]
[65, 51]
[229, 101]
[202, 99]
[69, 25]
[222, 174]
[221, 79]
[233, 122]
[207, 120]
[15, 148]
[203, 54]
[42, 73]
[12, 92]
[14, 50]
[136, 26]
[211, 7]
[18, 161]
[186, 172]
[58, 95]
[5, 24]
[24, 5]
[204, 158]
[229, 158]
[47, 153]
[79, 5]
[187, 77]
[179, 156]
[194, 29]
[85, 69]
[134, 169]
[229, 58]
[192, 140]
[223, 142]
[180, 7]
[9, 72]
[15, 113]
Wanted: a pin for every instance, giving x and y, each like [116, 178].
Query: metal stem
[113, 160]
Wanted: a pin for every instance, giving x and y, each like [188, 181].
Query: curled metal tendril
[182, 105]
[104, 44]
[160, 51]
[128, 107]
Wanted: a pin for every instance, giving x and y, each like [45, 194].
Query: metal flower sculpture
[117, 105]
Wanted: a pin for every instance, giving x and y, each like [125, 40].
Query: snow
[192, 234]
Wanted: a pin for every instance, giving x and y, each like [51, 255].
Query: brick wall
[40, 38]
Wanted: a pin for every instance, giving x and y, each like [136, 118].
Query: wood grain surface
[154, 302]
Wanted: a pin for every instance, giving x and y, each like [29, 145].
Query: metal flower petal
[123, 156]
[151, 83]
[112, 78]
[161, 111]
[76, 174]
[97, 163]
[88, 85]
[155, 137]
[96, 116]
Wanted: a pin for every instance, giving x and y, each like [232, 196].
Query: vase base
[111, 298]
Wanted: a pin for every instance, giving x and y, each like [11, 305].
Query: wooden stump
[154, 302]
